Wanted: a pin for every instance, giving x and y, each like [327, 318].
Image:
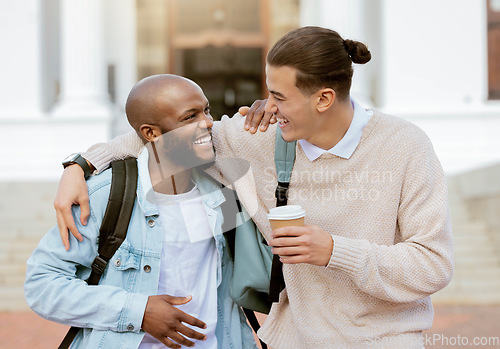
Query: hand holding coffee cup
[296, 242]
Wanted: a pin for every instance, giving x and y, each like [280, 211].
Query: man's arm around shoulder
[54, 285]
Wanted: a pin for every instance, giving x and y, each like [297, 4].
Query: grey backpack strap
[284, 158]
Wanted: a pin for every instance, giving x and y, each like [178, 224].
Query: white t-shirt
[188, 262]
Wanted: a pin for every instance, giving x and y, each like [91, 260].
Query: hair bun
[358, 51]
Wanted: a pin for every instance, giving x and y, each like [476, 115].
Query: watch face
[70, 158]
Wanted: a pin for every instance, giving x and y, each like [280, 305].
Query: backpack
[257, 273]
[114, 224]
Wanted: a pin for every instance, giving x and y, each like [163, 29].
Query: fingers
[191, 320]
[265, 116]
[295, 259]
[63, 230]
[72, 227]
[286, 241]
[65, 221]
[289, 251]
[167, 323]
[190, 333]
[289, 231]
[70, 222]
[266, 120]
[243, 110]
[309, 244]
[181, 340]
[183, 316]
[170, 344]
[84, 210]
[254, 115]
[257, 113]
[72, 190]
[177, 300]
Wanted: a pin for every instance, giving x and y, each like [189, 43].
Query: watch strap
[80, 160]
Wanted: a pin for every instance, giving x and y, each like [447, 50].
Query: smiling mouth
[282, 121]
[203, 140]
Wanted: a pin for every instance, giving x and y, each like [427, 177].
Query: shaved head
[158, 97]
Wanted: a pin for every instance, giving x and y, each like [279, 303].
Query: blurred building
[67, 67]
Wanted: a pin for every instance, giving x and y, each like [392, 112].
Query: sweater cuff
[348, 255]
[98, 158]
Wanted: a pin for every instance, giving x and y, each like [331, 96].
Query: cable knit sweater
[386, 208]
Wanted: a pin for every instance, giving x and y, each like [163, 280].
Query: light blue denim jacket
[111, 313]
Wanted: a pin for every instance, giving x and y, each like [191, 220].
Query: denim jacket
[111, 313]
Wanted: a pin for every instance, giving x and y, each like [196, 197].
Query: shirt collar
[347, 145]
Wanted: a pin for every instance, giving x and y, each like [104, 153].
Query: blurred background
[67, 66]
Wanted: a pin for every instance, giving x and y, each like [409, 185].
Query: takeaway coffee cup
[286, 216]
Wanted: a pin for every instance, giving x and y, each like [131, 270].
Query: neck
[333, 125]
[168, 178]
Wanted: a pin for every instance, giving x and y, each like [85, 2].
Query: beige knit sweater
[386, 208]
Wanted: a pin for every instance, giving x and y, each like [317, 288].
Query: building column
[20, 69]
[83, 87]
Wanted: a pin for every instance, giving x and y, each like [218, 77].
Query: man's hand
[165, 322]
[256, 115]
[72, 190]
[309, 244]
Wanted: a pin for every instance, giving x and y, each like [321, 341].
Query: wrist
[77, 159]
[92, 168]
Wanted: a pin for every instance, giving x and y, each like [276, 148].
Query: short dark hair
[321, 57]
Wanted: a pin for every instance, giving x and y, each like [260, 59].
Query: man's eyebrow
[191, 111]
[187, 112]
[277, 94]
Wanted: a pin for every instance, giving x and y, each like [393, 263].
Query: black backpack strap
[114, 225]
[68, 339]
[116, 219]
[284, 158]
[254, 323]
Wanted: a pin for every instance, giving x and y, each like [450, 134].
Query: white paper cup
[286, 216]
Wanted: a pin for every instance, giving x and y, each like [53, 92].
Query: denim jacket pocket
[125, 259]
[122, 269]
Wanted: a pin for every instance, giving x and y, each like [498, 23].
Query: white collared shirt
[346, 146]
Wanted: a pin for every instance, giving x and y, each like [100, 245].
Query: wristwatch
[78, 159]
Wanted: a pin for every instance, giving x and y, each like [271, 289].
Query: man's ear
[326, 98]
[150, 132]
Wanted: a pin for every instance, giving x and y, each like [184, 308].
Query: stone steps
[12, 298]
[476, 278]
[26, 214]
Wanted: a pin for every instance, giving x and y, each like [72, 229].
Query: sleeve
[55, 290]
[422, 262]
[240, 154]
[121, 147]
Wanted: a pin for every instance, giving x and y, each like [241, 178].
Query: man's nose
[270, 106]
[207, 122]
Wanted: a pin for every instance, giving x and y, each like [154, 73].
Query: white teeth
[282, 121]
[203, 140]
